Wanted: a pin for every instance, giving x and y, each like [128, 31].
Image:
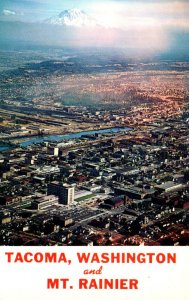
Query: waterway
[25, 142]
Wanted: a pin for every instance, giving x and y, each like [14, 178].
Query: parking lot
[78, 214]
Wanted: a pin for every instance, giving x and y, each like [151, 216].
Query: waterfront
[25, 142]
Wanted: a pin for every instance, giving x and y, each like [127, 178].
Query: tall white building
[53, 150]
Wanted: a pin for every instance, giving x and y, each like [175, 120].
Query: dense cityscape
[93, 157]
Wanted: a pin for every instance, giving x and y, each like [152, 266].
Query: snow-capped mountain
[72, 17]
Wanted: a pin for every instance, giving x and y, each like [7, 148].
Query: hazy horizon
[149, 27]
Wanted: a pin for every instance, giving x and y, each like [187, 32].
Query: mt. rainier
[73, 17]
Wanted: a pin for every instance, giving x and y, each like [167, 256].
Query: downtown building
[64, 192]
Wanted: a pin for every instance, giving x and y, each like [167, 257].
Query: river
[24, 142]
